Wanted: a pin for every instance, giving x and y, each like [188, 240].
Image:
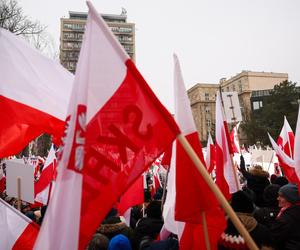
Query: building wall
[72, 30]
[244, 83]
[203, 98]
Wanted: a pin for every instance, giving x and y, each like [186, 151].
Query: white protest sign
[232, 107]
[15, 170]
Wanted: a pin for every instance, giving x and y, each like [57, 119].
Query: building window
[208, 123]
[240, 88]
[233, 87]
[257, 105]
[207, 109]
[206, 96]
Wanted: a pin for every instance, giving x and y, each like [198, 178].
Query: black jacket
[285, 231]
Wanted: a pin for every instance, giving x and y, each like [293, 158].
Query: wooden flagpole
[19, 193]
[214, 188]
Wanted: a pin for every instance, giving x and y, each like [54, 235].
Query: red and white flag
[34, 94]
[292, 162]
[286, 142]
[117, 128]
[234, 137]
[210, 157]
[17, 231]
[187, 193]
[226, 176]
[44, 184]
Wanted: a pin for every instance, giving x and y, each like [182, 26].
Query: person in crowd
[112, 225]
[273, 177]
[244, 207]
[257, 180]
[148, 228]
[266, 215]
[168, 244]
[98, 242]
[285, 230]
[119, 242]
[281, 181]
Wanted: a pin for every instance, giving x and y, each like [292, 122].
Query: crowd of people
[268, 207]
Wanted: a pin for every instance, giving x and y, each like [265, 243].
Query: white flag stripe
[45, 81]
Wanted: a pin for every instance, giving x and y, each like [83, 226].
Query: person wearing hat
[285, 231]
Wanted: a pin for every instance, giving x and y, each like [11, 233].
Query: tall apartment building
[72, 30]
[251, 88]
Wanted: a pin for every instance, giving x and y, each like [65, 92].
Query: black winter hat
[270, 194]
[290, 193]
[241, 202]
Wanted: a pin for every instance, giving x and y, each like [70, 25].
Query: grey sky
[212, 38]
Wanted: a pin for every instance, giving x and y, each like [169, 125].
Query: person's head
[281, 181]
[288, 195]
[273, 178]
[257, 170]
[119, 242]
[241, 202]
[98, 242]
[153, 210]
[270, 195]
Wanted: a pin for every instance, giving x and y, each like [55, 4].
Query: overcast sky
[212, 38]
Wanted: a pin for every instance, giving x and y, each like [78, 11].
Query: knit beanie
[119, 242]
[290, 193]
[241, 202]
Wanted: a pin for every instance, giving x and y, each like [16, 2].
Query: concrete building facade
[246, 83]
[72, 30]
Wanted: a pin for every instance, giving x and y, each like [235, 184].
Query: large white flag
[34, 94]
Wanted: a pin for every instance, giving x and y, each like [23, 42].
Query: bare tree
[13, 19]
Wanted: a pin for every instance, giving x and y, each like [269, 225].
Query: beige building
[250, 87]
[72, 30]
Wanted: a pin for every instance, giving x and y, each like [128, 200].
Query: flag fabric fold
[16, 230]
[34, 94]
[235, 139]
[43, 185]
[188, 195]
[117, 128]
[210, 154]
[226, 176]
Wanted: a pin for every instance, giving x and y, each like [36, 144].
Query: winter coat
[285, 231]
[266, 215]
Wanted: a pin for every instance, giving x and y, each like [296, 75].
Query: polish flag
[116, 129]
[34, 94]
[44, 184]
[292, 162]
[286, 142]
[187, 193]
[226, 176]
[210, 154]
[234, 137]
[16, 230]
